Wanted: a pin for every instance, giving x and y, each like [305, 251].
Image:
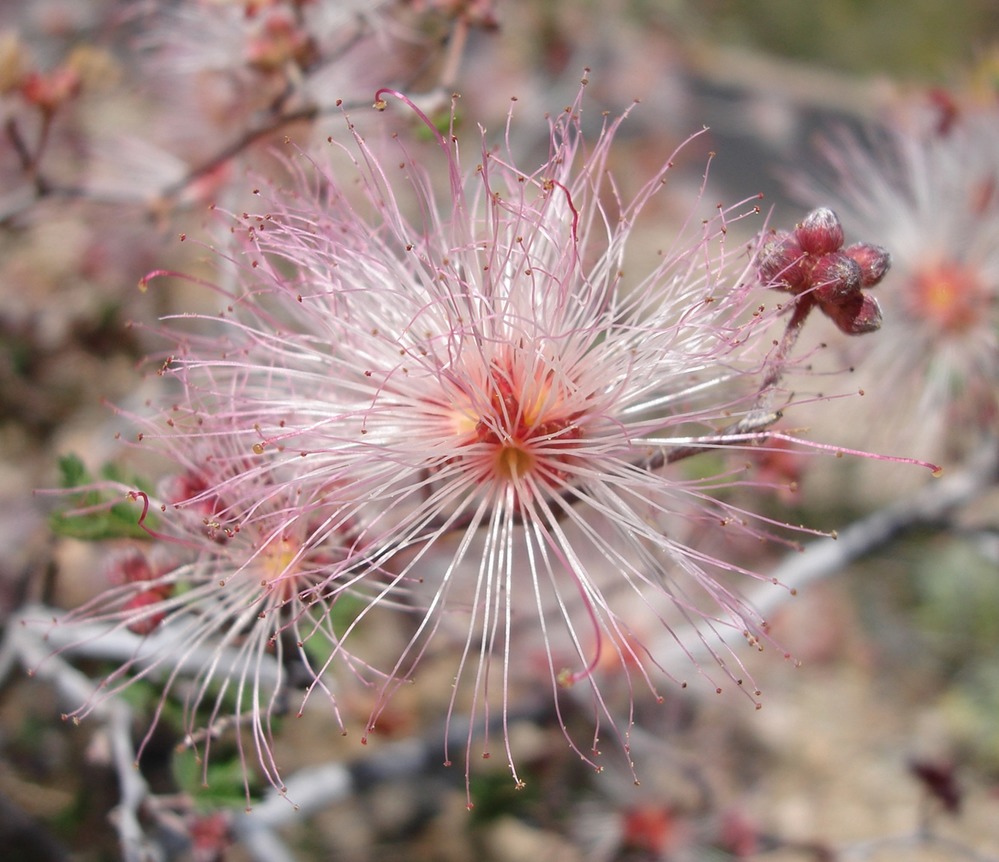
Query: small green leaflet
[108, 515]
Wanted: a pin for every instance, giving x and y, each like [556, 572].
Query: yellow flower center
[512, 462]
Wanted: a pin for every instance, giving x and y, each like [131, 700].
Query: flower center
[525, 425]
[948, 295]
[513, 461]
[279, 568]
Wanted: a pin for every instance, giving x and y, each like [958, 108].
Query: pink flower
[931, 197]
[241, 576]
[464, 407]
[501, 400]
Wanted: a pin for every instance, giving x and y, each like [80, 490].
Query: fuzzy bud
[781, 263]
[144, 622]
[280, 41]
[836, 277]
[858, 315]
[820, 232]
[874, 261]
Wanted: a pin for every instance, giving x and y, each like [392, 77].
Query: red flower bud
[836, 278]
[874, 260]
[782, 263]
[48, 91]
[132, 568]
[820, 232]
[144, 623]
[858, 315]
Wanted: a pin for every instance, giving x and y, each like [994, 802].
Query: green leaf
[221, 784]
[442, 123]
[108, 516]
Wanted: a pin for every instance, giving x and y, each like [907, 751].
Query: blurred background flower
[931, 195]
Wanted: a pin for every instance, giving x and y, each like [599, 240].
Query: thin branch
[19, 145]
[74, 687]
[260, 841]
[952, 849]
[40, 627]
[132, 786]
[243, 142]
[43, 188]
[931, 506]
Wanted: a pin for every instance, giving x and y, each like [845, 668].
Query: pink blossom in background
[222, 598]
[931, 196]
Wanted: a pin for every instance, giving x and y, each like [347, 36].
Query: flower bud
[874, 260]
[135, 567]
[781, 263]
[141, 620]
[820, 232]
[858, 315]
[836, 277]
[48, 91]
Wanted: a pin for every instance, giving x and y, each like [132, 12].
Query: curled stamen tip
[380, 104]
[936, 471]
[565, 678]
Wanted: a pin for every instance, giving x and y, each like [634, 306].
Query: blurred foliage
[222, 783]
[931, 604]
[496, 795]
[971, 707]
[226, 780]
[957, 598]
[920, 38]
[938, 594]
[92, 514]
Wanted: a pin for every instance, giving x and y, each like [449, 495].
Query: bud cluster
[811, 263]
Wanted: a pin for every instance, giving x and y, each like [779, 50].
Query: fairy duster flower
[219, 605]
[463, 407]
